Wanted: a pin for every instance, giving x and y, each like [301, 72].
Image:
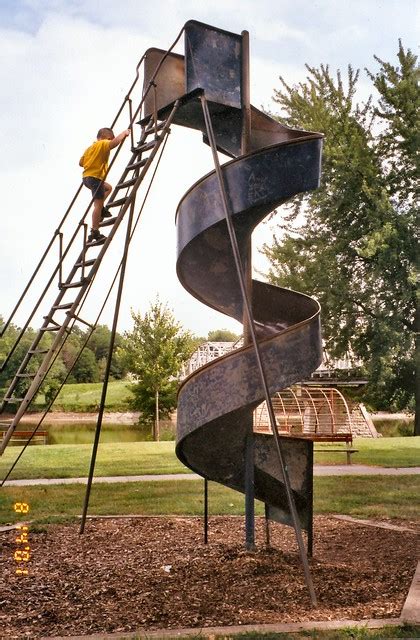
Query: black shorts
[96, 186]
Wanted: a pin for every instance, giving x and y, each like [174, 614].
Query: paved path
[319, 470]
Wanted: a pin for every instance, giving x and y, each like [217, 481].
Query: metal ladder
[82, 273]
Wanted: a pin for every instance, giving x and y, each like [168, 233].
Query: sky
[67, 66]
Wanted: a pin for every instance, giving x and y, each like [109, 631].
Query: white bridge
[209, 351]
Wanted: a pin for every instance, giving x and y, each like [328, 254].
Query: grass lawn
[113, 459]
[142, 458]
[86, 397]
[363, 497]
[382, 452]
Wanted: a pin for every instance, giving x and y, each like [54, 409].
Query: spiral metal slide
[216, 402]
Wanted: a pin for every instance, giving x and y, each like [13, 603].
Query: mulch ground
[149, 573]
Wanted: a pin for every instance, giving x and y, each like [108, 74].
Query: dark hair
[104, 131]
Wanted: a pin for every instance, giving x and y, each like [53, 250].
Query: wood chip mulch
[125, 574]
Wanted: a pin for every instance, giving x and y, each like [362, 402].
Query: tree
[351, 243]
[155, 351]
[86, 367]
[399, 145]
[222, 335]
[99, 344]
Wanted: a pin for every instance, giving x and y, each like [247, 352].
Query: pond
[84, 432]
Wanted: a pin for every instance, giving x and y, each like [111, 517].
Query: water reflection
[84, 432]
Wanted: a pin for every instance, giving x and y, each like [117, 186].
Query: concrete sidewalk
[319, 470]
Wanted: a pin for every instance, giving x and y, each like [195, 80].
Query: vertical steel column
[206, 511]
[260, 364]
[267, 525]
[249, 489]
[245, 96]
[247, 265]
[311, 502]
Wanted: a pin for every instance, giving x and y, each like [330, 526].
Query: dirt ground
[149, 573]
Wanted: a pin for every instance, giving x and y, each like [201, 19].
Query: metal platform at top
[212, 65]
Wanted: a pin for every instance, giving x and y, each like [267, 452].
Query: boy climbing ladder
[95, 166]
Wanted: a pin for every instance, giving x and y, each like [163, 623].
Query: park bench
[40, 437]
[347, 438]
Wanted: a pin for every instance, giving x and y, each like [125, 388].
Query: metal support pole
[247, 265]
[267, 525]
[248, 310]
[206, 511]
[108, 366]
[249, 489]
[60, 258]
[311, 502]
[245, 96]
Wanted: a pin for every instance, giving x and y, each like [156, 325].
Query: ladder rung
[107, 222]
[5, 424]
[145, 146]
[72, 285]
[137, 165]
[151, 127]
[38, 350]
[53, 328]
[67, 305]
[25, 375]
[57, 324]
[86, 263]
[12, 399]
[116, 203]
[127, 183]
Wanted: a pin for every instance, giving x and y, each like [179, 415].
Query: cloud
[67, 66]
[69, 79]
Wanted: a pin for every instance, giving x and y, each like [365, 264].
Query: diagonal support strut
[252, 333]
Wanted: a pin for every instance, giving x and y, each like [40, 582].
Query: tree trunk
[417, 371]
[157, 426]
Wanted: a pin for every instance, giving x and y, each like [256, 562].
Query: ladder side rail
[7, 436]
[136, 154]
[92, 328]
[36, 383]
[132, 118]
[21, 369]
[56, 270]
[28, 285]
[58, 230]
[135, 187]
[48, 318]
[4, 444]
[39, 336]
[43, 369]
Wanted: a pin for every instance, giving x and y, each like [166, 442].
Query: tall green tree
[352, 242]
[155, 350]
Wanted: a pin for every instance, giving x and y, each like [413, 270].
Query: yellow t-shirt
[95, 159]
